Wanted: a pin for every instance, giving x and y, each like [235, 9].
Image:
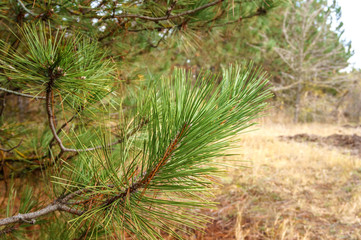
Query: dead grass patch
[289, 190]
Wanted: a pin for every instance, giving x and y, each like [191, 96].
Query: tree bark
[297, 103]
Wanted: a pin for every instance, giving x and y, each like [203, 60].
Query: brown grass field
[287, 189]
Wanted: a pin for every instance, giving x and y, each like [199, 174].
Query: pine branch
[51, 143]
[144, 182]
[60, 204]
[9, 150]
[168, 15]
[7, 230]
[256, 14]
[21, 94]
[165, 158]
[30, 217]
[49, 110]
[208, 115]
[25, 8]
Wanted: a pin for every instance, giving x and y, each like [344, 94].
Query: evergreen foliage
[114, 160]
[111, 125]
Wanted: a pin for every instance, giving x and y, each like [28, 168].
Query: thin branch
[7, 230]
[21, 94]
[62, 203]
[9, 150]
[144, 182]
[51, 143]
[160, 40]
[27, 10]
[60, 154]
[287, 87]
[30, 217]
[49, 107]
[197, 27]
[166, 17]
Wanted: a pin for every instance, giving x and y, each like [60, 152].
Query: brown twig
[166, 17]
[21, 94]
[10, 149]
[144, 182]
[30, 217]
[7, 230]
[165, 158]
[62, 203]
[51, 143]
[49, 110]
[160, 40]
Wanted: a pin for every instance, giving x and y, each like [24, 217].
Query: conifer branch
[7, 230]
[61, 204]
[21, 94]
[49, 110]
[26, 9]
[32, 216]
[51, 143]
[10, 149]
[144, 182]
[165, 158]
[168, 15]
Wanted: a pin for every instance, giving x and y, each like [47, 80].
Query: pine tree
[112, 159]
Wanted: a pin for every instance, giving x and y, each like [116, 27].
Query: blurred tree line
[298, 42]
[87, 115]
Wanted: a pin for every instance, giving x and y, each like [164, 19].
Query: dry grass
[289, 190]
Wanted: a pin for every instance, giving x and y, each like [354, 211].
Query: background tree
[312, 52]
[263, 40]
[114, 159]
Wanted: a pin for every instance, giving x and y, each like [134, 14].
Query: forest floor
[298, 182]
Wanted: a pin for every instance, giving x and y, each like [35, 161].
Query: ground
[290, 182]
[291, 187]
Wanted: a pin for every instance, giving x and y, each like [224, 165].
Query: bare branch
[168, 15]
[160, 40]
[25, 8]
[49, 107]
[51, 143]
[30, 217]
[7, 230]
[276, 89]
[21, 94]
[9, 150]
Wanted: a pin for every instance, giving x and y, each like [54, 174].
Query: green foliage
[127, 142]
[145, 177]
[71, 61]
[158, 175]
